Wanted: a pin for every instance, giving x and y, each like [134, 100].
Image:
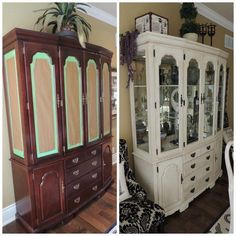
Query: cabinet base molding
[183, 207]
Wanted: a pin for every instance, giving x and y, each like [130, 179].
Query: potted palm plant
[63, 19]
[189, 28]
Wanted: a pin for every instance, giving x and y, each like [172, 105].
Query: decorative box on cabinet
[58, 99]
[177, 107]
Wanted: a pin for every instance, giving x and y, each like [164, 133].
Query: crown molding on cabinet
[214, 16]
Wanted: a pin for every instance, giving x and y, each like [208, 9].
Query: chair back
[229, 167]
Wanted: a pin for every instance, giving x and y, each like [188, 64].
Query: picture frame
[152, 22]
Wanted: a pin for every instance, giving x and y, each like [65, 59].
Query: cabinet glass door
[92, 78]
[193, 91]
[169, 103]
[73, 102]
[208, 99]
[220, 98]
[140, 102]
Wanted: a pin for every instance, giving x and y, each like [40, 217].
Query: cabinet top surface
[41, 37]
[153, 37]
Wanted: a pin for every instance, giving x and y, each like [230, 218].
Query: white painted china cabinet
[177, 107]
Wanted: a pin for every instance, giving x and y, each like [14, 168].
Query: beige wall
[21, 15]
[128, 12]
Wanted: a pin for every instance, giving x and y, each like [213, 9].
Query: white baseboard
[114, 158]
[8, 214]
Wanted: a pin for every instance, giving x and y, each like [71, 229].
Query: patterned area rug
[222, 224]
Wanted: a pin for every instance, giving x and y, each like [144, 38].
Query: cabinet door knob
[208, 168]
[208, 147]
[193, 178]
[94, 152]
[208, 157]
[94, 163]
[193, 165]
[192, 190]
[95, 188]
[207, 179]
[76, 187]
[94, 176]
[77, 200]
[76, 172]
[193, 154]
[75, 160]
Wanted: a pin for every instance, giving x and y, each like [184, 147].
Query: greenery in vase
[64, 17]
[189, 12]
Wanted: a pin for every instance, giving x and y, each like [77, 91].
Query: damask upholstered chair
[138, 214]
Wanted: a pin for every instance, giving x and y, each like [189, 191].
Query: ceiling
[107, 7]
[224, 9]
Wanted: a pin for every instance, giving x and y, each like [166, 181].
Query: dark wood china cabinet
[58, 99]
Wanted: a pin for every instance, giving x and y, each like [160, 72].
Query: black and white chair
[138, 214]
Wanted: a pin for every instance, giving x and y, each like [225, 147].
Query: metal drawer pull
[76, 172]
[208, 168]
[94, 163]
[94, 152]
[208, 157]
[77, 200]
[193, 178]
[207, 179]
[95, 188]
[193, 154]
[76, 187]
[94, 176]
[75, 160]
[192, 190]
[208, 147]
[193, 165]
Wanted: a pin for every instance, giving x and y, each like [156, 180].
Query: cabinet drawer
[193, 178]
[82, 183]
[82, 169]
[201, 184]
[198, 152]
[196, 176]
[201, 161]
[82, 197]
[83, 156]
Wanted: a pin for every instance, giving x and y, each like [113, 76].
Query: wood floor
[203, 212]
[97, 217]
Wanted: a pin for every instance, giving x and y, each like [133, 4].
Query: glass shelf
[140, 86]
